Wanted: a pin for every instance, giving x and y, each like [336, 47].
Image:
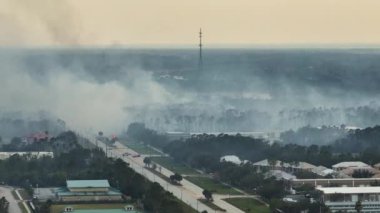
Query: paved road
[137, 164]
[188, 192]
[7, 193]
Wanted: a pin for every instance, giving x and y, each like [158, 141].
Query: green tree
[147, 161]
[207, 194]
[4, 205]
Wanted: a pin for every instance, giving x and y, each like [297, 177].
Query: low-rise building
[345, 199]
[88, 190]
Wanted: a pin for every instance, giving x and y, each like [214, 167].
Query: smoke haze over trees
[238, 90]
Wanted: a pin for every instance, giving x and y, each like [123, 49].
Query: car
[126, 154]
[136, 156]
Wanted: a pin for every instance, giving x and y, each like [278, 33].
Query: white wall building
[345, 198]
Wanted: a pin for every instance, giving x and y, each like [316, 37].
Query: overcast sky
[176, 22]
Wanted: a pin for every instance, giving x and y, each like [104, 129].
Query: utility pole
[200, 50]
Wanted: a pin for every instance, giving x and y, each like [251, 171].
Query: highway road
[13, 203]
[188, 192]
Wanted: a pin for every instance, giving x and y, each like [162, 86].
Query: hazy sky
[162, 22]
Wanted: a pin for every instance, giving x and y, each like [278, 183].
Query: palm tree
[358, 206]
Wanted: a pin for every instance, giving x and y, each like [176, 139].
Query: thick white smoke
[84, 104]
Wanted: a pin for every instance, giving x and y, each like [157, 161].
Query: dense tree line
[309, 135]
[201, 150]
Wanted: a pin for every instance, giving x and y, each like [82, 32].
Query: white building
[345, 198]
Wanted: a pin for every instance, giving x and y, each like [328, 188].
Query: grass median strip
[213, 185]
[22, 207]
[173, 166]
[211, 205]
[141, 148]
[249, 205]
[15, 195]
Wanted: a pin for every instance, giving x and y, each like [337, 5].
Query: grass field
[212, 185]
[141, 148]
[60, 208]
[248, 205]
[170, 164]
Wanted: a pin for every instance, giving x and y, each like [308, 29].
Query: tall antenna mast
[200, 50]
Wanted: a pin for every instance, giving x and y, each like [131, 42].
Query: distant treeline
[197, 119]
[352, 145]
[309, 135]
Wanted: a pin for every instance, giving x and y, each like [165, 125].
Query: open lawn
[248, 205]
[141, 148]
[170, 164]
[59, 208]
[212, 185]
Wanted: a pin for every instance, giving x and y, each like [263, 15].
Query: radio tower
[200, 50]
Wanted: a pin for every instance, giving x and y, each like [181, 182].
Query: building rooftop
[231, 158]
[65, 192]
[322, 171]
[87, 184]
[299, 165]
[350, 164]
[350, 190]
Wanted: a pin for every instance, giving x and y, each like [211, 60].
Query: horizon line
[207, 46]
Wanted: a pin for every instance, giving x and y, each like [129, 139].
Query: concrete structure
[345, 198]
[5, 155]
[350, 164]
[88, 190]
